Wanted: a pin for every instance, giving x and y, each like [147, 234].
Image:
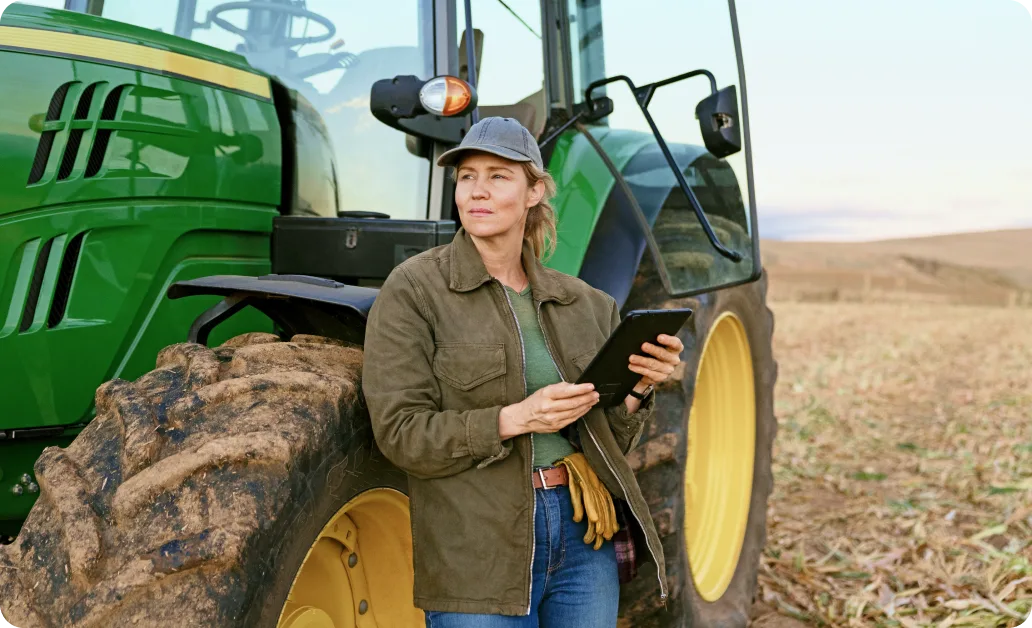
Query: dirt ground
[903, 467]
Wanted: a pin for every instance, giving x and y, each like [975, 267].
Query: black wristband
[641, 396]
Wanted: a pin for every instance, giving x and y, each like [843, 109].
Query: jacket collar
[468, 271]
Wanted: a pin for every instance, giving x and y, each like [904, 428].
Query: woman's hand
[548, 410]
[658, 368]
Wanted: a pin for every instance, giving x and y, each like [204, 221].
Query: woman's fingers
[570, 403]
[555, 420]
[662, 353]
[673, 342]
[560, 404]
[572, 413]
[654, 376]
[565, 390]
[642, 369]
[659, 366]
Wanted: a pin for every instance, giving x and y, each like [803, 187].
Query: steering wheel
[272, 7]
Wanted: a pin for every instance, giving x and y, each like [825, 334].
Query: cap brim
[450, 157]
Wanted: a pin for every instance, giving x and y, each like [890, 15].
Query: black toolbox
[351, 249]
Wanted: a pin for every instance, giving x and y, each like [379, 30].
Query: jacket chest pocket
[581, 362]
[472, 375]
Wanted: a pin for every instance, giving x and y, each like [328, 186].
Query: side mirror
[719, 122]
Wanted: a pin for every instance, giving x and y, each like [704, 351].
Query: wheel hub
[721, 448]
[358, 573]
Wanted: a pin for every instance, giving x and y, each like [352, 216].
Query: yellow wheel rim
[358, 573]
[719, 469]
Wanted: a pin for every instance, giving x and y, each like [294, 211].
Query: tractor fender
[617, 243]
[296, 304]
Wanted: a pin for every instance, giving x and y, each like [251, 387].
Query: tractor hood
[108, 111]
[20, 15]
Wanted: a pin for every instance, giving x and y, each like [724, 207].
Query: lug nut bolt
[32, 487]
[17, 489]
[26, 478]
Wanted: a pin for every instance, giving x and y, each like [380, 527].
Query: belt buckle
[544, 484]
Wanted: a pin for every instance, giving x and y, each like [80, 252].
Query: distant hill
[993, 267]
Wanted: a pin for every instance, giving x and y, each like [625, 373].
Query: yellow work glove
[590, 497]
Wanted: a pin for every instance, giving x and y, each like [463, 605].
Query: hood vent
[82, 111]
[52, 301]
[100, 142]
[46, 141]
[29, 312]
[64, 280]
[83, 120]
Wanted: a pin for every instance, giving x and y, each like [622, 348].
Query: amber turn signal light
[447, 96]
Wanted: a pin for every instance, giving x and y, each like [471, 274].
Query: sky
[888, 118]
[870, 119]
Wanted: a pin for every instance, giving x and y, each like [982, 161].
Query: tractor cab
[648, 153]
[683, 125]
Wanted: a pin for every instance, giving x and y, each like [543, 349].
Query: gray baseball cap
[504, 137]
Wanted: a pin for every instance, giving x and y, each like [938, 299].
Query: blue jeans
[572, 585]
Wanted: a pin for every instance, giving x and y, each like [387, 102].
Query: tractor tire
[701, 517]
[200, 490]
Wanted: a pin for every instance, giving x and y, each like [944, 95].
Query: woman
[516, 478]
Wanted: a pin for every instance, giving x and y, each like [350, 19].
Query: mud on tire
[192, 497]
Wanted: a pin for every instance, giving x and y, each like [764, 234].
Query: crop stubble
[903, 467]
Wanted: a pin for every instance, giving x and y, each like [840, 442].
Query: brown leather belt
[550, 477]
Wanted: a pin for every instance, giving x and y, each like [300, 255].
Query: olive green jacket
[442, 357]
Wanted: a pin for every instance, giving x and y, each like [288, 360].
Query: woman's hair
[540, 228]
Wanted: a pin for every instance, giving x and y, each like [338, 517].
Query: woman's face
[493, 195]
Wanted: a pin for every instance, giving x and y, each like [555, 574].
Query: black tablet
[608, 369]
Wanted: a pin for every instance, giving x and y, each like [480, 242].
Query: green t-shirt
[539, 372]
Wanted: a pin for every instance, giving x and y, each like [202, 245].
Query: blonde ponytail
[540, 227]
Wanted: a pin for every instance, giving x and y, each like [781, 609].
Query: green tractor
[200, 199]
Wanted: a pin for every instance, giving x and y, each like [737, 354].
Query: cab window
[510, 60]
[606, 37]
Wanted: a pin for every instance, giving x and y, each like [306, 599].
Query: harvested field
[903, 467]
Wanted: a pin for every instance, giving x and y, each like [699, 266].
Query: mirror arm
[681, 77]
[558, 132]
[605, 81]
[590, 110]
[644, 95]
[734, 256]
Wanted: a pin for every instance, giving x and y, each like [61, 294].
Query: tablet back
[608, 369]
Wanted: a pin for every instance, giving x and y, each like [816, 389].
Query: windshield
[331, 52]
